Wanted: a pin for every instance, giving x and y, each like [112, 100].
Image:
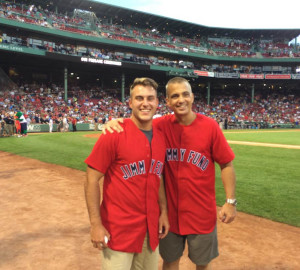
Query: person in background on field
[9, 123]
[23, 123]
[194, 143]
[96, 120]
[28, 119]
[59, 124]
[133, 213]
[18, 126]
[37, 118]
[50, 124]
[74, 123]
[65, 124]
[3, 128]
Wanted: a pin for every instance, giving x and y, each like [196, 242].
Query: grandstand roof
[120, 15]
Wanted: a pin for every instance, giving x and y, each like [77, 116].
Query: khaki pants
[3, 130]
[10, 128]
[117, 260]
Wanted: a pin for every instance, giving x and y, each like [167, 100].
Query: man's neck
[186, 119]
[142, 125]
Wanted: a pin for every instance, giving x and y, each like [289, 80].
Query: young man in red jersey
[133, 213]
[194, 143]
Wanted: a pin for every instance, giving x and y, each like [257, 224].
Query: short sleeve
[222, 152]
[103, 153]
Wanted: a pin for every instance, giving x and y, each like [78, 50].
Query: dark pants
[24, 128]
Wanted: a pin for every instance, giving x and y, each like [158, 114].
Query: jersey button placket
[179, 184]
[148, 150]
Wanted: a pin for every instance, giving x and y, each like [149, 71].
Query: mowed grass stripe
[66, 149]
[289, 137]
[267, 182]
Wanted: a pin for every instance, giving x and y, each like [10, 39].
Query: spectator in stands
[268, 108]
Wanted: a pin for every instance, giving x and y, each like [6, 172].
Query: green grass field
[268, 179]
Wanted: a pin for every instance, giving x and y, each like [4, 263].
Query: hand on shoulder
[113, 125]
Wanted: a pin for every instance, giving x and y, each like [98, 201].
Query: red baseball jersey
[189, 172]
[132, 169]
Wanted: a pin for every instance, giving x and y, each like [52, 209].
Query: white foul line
[288, 146]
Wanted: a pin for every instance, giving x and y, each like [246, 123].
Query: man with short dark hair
[194, 143]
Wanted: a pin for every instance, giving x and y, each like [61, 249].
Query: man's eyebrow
[145, 96]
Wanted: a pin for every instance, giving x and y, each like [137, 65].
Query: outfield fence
[35, 128]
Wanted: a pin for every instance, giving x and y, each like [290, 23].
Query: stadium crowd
[109, 54]
[222, 46]
[40, 103]
[91, 104]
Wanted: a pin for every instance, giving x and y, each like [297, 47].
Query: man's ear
[130, 103]
[167, 101]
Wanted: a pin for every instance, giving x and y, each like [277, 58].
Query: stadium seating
[86, 104]
[221, 46]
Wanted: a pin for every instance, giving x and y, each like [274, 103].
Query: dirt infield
[44, 225]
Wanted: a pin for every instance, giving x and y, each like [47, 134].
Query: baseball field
[43, 213]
